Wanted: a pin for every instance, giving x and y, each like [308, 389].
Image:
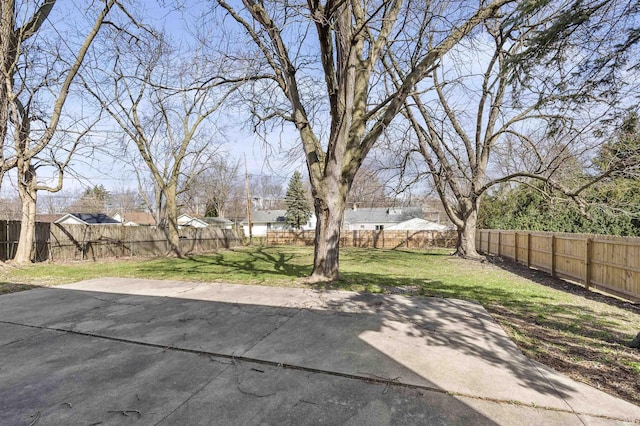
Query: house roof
[379, 215]
[48, 218]
[187, 220]
[267, 216]
[417, 224]
[141, 218]
[91, 218]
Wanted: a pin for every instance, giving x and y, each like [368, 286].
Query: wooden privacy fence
[370, 239]
[10, 233]
[608, 263]
[57, 242]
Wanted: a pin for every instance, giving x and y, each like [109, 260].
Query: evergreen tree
[93, 200]
[298, 208]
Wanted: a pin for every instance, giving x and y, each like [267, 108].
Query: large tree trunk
[466, 246]
[28, 195]
[173, 236]
[326, 257]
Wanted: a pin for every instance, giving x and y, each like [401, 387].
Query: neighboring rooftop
[48, 218]
[378, 215]
[89, 218]
[267, 216]
[136, 217]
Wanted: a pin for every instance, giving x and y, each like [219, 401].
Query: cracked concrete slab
[258, 394]
[372, 346]
[281, 352]
[60, 378]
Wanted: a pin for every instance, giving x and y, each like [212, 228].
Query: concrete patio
[123, 351]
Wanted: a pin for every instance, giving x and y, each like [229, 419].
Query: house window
[361, 226]
[268, 226]
[379, 227]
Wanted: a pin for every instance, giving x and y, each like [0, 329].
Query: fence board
[607, 262]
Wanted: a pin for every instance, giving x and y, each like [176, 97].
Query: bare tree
[124, 200]
[53, 204]
[473, 110]
[211, 193]
[267, 191]
[10, 208]
[352, 37]
[38, 68]
[164, 102]
[367, 190]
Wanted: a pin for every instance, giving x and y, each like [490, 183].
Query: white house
[378, 218]
[266, 220]
[184, 220]
[355, 219]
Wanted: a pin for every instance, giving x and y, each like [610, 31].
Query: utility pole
[246, 176]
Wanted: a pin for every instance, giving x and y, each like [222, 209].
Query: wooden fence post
[528, 249]
[553, 255]
[587, 263]
[499, 243]
[515, 244]
[488, 242]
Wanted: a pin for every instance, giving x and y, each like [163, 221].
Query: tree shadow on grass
[259, 263]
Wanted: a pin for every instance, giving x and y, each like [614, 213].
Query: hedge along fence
[57, 242]
[605, 262]
[370, 239]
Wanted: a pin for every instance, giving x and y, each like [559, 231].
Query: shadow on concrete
[82, 356]
[462, 328]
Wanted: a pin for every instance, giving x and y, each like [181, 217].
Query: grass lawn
[579, 333]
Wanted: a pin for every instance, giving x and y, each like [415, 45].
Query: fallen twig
[35, 420]
[126, 412]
